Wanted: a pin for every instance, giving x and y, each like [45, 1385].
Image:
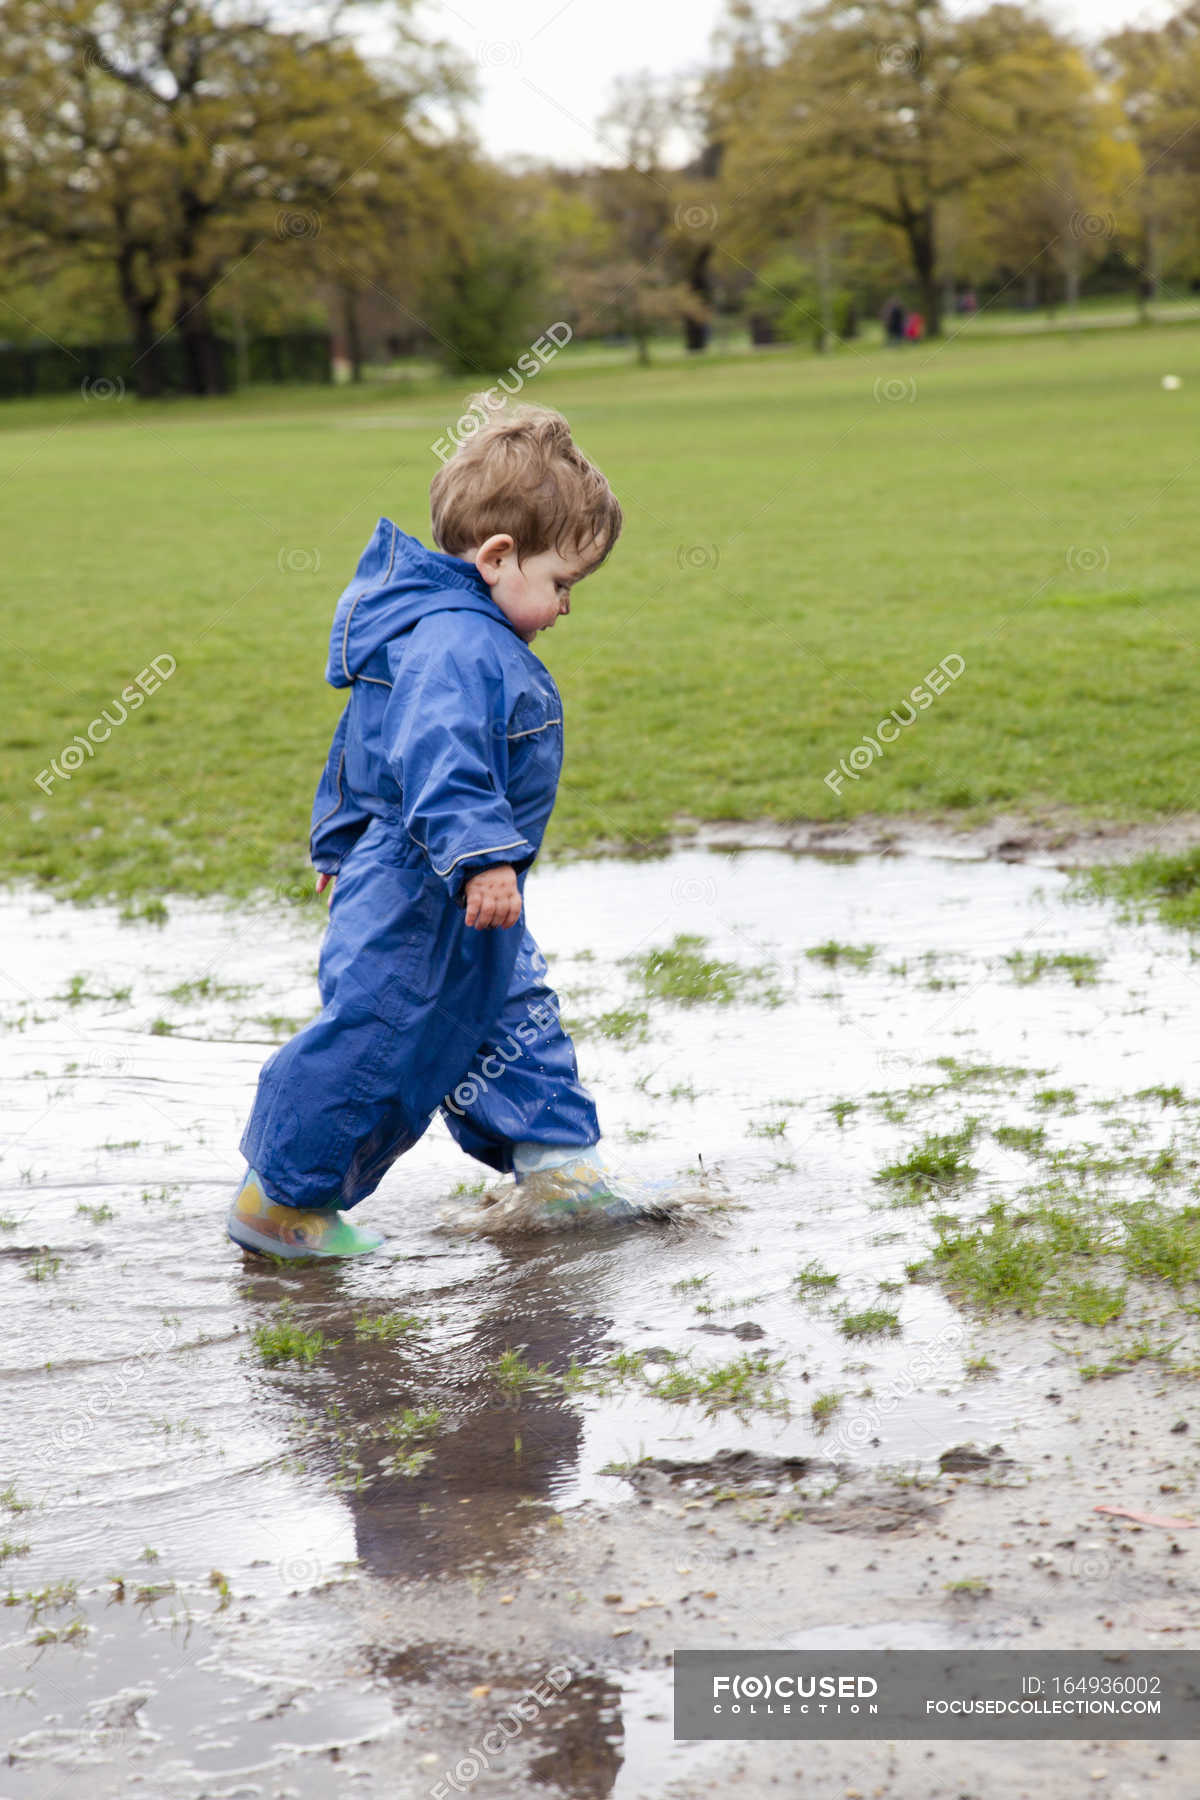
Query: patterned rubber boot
[573, 1186]
[258, 1223]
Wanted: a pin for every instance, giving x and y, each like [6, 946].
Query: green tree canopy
[170, 141]
[887, 109]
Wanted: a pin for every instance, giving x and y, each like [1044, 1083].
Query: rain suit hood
[397, 583]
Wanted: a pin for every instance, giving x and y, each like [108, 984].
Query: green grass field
[805, 539]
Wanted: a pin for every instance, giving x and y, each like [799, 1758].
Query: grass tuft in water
[998, 1265]
[77, 991]
[831, 953]
[969, 1074]
[938, 1161]
[746, 1383]
[621, 1024]
[1166, 1096]
[1092, 1303]
[824, 1406]
[1082, 967]
[44, 1266]
[683, 974]
[812, 1278]
[1055, 1099]
[381, 1328]
[874, 1321]
[205, 987]
[1162, 1244]
[1029, 1138]
[282, 1339]
[1166, 885]
[514, 1374]
[410, 1431]
[99, 1215]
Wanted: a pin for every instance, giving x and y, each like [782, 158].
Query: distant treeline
[101, 370]
[165, 175]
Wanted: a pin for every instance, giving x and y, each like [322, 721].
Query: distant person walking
[914, 327]
[894, 321]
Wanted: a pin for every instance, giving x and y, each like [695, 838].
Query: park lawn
[805, 539]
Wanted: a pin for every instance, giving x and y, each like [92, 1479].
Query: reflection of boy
[435, 797]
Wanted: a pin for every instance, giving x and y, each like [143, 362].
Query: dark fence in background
[109, 368]
[291, 356]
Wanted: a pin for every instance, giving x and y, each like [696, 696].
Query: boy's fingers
[492, 906]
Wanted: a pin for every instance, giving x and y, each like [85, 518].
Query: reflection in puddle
[154, 1450]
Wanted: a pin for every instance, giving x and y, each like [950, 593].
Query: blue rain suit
[445, 761]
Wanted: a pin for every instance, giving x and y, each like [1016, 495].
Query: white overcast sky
[546, 68]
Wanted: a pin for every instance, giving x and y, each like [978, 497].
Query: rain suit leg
[523, 1083]
[413, 1002]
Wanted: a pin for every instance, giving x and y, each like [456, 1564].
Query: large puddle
[179, 1507]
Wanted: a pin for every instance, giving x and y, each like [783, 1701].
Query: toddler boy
[434, 800]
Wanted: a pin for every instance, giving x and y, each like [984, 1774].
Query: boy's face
[534, 593]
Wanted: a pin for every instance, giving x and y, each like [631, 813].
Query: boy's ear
[491, 554]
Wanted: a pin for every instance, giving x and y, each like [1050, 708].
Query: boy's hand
[493, 898]
[323, 882]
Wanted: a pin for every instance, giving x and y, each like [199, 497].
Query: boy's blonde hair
[522, 474]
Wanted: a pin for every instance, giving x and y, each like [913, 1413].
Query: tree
[171, 141]
[1155, 76]
[403, 236]
[661, 219]
[886, 110]
[1057, 220]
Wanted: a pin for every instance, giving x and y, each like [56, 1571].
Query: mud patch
[856, 1506]
[1056, 836]
[728, 1468]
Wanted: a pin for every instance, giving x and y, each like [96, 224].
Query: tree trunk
[1148, 279]
[202, 352]
[354, 347]
[1071, 280]
[949, 294]
[241, 342]
[140, 306]
[147, 362]
[923, 244]
[696, 331]
[146, 367]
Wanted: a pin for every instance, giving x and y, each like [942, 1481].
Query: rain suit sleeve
[337, 819]
[445, 736]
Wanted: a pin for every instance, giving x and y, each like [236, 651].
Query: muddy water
[187, 1528]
